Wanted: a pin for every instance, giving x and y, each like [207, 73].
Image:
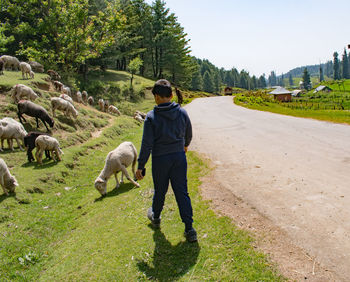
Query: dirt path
[287, 179]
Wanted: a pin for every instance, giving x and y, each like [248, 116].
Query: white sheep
[114, 110]
[45, 142]
[141, 114]
[117, 160]
[20, 91]
[10, 61]
[7, 181]
[101, 103]
[66, 90]
[67, 98]
[11, 129]
[79, 97]
[139, 117]
[26, 70]
[63, 105]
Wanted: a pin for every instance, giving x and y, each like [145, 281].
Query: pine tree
[306, 80]
[321, 74]
[291, 82]
[262, 81]
[336, 69]
[208, 85]
[345, 65]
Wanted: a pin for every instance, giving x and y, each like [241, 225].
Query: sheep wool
[7, 181]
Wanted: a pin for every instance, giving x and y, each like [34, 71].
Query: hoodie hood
[169, 110]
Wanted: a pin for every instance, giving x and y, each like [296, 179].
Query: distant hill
[314, 70]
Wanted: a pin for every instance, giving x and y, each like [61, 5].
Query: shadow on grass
[169, 262]
[46, 164]
[123, 188]
[4, 196]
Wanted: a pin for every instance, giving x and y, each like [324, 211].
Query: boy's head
[162, 88]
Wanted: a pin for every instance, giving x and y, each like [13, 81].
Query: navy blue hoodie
[167, 129]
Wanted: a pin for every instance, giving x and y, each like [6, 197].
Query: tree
[321, 74]
[336, 69]
[306, 79]
[208, 85]
[262, 81]
[272, 79]
[4, 40]
[134, 66]
[291, 82]
[345, 65]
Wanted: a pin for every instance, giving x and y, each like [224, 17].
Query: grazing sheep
[29, 142]
[84, 97]
[37, 67]
[106, 106]
[7, 181]
[79, 97]
[53, 75]
[101, 103]
[91, 100]
[11, 129]
[66, 90]
[26, 70]
[19, 91]
[45, 142]
[63, 105]
[138, 118]
[58, 85]
[1, 67]
[114, 110]
[141, 114]
[117, 160]
[34, 110]
[10, 62]
[67, 98]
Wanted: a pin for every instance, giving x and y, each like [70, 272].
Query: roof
[296, 92]
[280, 90]
[321, 88]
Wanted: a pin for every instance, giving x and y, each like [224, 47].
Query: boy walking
[167, 133]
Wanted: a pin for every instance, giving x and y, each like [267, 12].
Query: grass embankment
[56, 227]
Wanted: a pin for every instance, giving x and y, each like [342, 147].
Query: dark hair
[162, 88]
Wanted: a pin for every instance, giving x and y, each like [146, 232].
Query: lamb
[66, 90]
[58, 85]
[45, 142]
[29, 142]
[10, 62]
[117, 160]
[37, 67]
[26, 70]
[79, 97]
[91, 100]
[34, 110]
[67, 98]
[11, 129]
[63, 105]
[53, 75]
[113, 109]
[101, 103]
[106, 106]
[19, 91]
[7, 181]
[84, 97]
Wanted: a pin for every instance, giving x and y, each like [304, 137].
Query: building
[322, 88]
[281, 94]
[228, 90]
[296, 93]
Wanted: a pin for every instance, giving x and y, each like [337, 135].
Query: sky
[264, 36]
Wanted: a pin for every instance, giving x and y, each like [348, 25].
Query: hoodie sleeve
[188, 133]
[147, 143]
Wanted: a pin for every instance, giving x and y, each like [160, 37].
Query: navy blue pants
[171, 167]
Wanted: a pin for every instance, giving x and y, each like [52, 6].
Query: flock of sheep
[24, 96]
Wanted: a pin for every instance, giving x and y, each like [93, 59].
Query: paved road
[295, 171]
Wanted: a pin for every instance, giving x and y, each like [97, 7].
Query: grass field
[57, 227]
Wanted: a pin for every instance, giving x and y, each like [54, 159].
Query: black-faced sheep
[20, 91]
[11, 129]
[45, 142]
[53, 75]
[29, 142]
[34, 110]
[63, 105]
[91, 100]
[113, 110]
[10, 62]
[37, 67]
[117, 160]
[26, 70]
[7, 181]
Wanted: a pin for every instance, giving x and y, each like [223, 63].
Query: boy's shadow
[169, 262]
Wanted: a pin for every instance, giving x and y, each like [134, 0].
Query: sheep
[67, 98]
[26, 70]
[10, 61]
[1, 67]
[34, 110]
[79, 97]
[141, 114]
[29, 142]
[7, 181]
[37, 67]
[138, 118]
[84, 97]
[113, 109]
[91, 100]
[11, 129]
[117, 160]
[106, 106]
[19, 91]
[53, 75]
[45, 142]
[63, 105]
[66, 90]
[101, 103]
[58, 85]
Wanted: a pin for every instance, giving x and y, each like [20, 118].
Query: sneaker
[191, 235]
[155, 221]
